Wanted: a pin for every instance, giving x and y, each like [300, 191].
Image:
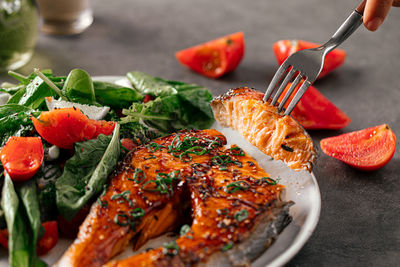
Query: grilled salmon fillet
[278, 136]
[236, 209]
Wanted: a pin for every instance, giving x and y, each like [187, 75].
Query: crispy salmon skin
[232, 205]
[278, 136]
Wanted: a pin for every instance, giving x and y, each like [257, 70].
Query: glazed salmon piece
[237, 212]
[136, 206]
[278, 136]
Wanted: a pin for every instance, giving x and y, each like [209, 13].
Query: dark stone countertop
[360, 218]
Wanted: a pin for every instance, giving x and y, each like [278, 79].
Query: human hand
[375, 12]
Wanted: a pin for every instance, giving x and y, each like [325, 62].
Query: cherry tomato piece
[128, 143]
[284, 48]
[103, 127]
[147, 98]
[214, 58]
[4, 238]
[368, 149]
[22, 157]
[63, 127]
[49, 239]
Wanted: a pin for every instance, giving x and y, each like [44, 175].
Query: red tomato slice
[4, 238]
[147, 98]
[368, 149]
[128, 143]
[49, 239]
[22, 157]
[63, 127]
[214, 58]
[284, 48]
[315, 111]
[103, 127]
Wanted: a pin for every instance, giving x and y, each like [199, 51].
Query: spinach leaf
[29, 197]
[35, 93]
[79, 87]
[186, 106]
[15, 121]
[20, 253]
[115, 96]
[198, 96]
[14, 99]
[147, 84]
[86, 172]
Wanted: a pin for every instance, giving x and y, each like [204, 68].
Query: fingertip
[373, 24]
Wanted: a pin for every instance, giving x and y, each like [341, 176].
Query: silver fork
[307, 64]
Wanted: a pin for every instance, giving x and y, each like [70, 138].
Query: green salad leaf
[18, 244]
[178, 105]
[78, 87]
[86, 172]
[22, 236]
[147, 84]
[15, 121]
[35, 92]
[115, 96]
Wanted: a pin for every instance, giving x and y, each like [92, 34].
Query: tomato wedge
[368, 149]
[314, 111]
[63, 127]
[49, 239]
[284, 48]
[214, 58]
[22, 157]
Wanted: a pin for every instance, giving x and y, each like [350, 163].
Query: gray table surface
[360, 218]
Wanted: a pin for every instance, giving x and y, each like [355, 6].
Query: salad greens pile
[152, 107]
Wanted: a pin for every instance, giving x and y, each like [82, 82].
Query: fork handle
[346, 29]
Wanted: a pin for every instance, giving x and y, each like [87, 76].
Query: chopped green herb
[150, 157]
[237, 151]
[269, 180]
[223, 160]
[137, 213]
[184, 229]
[241, 215]
[236, 186]
[122, 219]
[153, 147]
[227, 247]
[138, 176]
[171, 248]
[124, 195]
[163, 182]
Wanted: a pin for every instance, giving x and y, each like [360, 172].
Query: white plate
[301, 187]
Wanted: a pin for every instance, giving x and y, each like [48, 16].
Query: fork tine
[290, 91]
[283, 86]
[298, 95]
[277, 77]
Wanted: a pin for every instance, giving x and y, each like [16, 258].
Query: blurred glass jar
[18, 32]
[65, 17]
